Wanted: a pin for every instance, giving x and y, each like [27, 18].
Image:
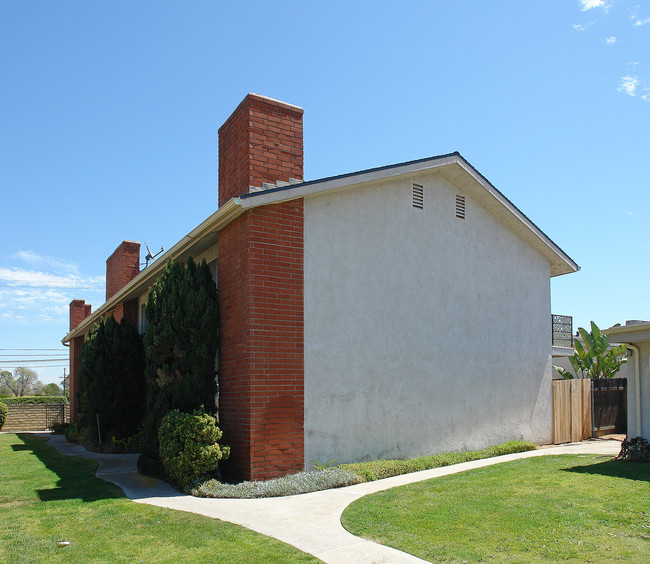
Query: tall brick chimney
[260, 142]
[79, 310]
[122, 267]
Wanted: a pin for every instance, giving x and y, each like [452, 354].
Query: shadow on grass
[76, 476]
[639, 471]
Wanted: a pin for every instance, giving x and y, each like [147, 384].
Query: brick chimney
[122, 267]
[79, 310]
[260, 142]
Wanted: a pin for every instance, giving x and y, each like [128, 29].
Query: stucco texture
[423, 332]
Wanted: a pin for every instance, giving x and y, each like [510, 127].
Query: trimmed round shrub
[189, 447]
[4, 412]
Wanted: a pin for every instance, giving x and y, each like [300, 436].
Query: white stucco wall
[423, 332]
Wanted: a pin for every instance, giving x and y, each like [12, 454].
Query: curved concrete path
[310, 522]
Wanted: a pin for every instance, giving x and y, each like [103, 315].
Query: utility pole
[64, 382]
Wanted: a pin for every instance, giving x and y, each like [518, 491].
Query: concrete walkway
[310, 522]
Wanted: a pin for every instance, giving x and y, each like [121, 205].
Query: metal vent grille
[418, 196]
[460, 207]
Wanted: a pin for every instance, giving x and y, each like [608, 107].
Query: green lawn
[545, 509]
[46, 497]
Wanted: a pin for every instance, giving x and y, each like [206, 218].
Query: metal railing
[562, 327]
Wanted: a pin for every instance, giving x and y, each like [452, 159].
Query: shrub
[111, 380]
[35, 399]
[634, 450]
[379, 469]
[294, 484]
[4, 412]
[188, 446]
[151, 465]
[181, 343]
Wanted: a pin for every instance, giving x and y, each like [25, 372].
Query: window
[142, 322]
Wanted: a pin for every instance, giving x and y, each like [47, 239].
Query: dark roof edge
[351, 174]
[522, 213]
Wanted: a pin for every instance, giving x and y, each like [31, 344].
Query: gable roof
[453, 166]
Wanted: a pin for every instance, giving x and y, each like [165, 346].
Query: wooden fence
[572, 410]
[610, 406]
[588, 408]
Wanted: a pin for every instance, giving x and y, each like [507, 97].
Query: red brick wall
[75, 351]
[122, 267]
[261, 364]
[127, 310]
[262, 141]
[79, 310]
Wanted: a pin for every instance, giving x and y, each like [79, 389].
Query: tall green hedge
[111, 380]
[34, 399]
[181, 343]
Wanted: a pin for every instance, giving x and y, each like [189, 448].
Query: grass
[543, 509]
[46, 497]
[378, 469]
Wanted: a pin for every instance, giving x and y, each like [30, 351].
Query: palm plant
[594, 357]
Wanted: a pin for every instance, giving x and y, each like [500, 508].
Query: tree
[52, 390]
[5, 390]
[23, 382]
[181, 343]
[594, 357]
[111, 380]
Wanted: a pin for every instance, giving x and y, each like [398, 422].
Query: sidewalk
[310, 522]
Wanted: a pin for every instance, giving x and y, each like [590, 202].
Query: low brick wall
[33, 417]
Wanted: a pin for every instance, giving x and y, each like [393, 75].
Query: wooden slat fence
[571, 411]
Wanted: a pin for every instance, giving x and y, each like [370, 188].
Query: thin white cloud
[629, 85]
[636, 20]
[590, 4]
[40, 261]
[22, 277]
[582, 27]
[610, 40]
[44, 296]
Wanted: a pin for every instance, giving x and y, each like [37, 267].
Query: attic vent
[418, 197]
[460, 207]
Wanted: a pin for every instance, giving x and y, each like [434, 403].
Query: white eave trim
[219, 219]
[347, 181]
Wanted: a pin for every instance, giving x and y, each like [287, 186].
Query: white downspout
[637, 387]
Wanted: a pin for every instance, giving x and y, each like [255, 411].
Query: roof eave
[219, 219]
[560, 262]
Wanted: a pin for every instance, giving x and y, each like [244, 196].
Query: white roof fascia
[224, 215]
[629, 333]
[343, 182]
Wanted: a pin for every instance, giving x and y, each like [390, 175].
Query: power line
[32, 354]
[30, 349]
[31, 361]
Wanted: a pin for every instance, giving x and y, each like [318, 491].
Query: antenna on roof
[151, 256]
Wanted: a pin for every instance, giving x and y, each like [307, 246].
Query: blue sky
[110, 112]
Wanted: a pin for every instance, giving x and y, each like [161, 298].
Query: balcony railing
[562, 330]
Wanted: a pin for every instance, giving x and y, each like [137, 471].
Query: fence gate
[610, 406]
[571, 411]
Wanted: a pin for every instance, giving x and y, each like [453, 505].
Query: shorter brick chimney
[79, 310]
[122, 267]
[260, 142]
